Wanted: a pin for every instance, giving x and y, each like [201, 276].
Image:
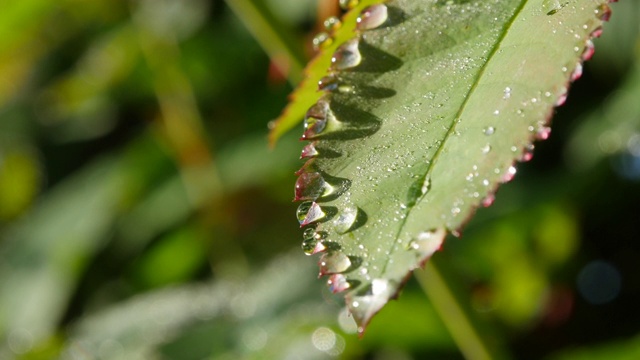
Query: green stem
[473, 343]
[272, 35]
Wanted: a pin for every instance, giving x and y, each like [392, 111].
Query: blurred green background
[143, 216]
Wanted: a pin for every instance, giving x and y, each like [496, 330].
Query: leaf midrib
[454, 123]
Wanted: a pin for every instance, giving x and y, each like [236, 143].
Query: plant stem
[274, 36]
[473, 343]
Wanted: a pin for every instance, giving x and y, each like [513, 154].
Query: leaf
[424, 117]
[307, 92]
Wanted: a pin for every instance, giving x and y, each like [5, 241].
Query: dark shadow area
[384, 62]
[372, 92]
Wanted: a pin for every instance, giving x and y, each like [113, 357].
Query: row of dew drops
[311, 186]
[542, 132]
[320, 120]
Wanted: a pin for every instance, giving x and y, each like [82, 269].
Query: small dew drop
[309, 212]
[486, 149]
[379, 286]
[577, 72]
[347, 55]
[507, 93]
[496, 112]
[321, 41]
[543, 133]
[328, 83]
[488, 200]
[309, 151]
[338, 283]
[509, 174]
[489, 130]
[372, 17]
[589, 50]
[428, 242]
[597, 32]
[334, 263]
[551, 7]
[562, 98]
[311, 243]
[348, 4]
[332, 23]
[527, 153]
[603, 12]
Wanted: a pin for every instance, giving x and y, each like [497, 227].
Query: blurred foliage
[142, 214]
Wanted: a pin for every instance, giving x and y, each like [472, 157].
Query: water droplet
[321, 40]
[489, 130]
[508, 176]
[347, 55]
[603, 12]
[338, 283]
[311, 243]
[543, 133]
[588, 50]
[333, 263]
[562, 98]
[309, 151]
[428, 242]
[527, 153]
[348, 4]
[308, 166]
[372, 17]
[485, 182]
[309, 212]
[345, 220]
[379, 286]
[317, 119]
[551, 7]
[577, 72]
[332, 23]
[486, 149]
[488, 200]
[496, 112]
[597, 32]
[310, 186]
[364, 305]
[328, 83]
[507, 93]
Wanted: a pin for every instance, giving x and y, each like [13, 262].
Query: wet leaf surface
[424, 112]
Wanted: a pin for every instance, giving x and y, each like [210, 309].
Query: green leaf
[425, 117]
[307, 92]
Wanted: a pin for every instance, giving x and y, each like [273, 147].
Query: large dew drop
[338, 283]
[334, 263]
[311, 243]
[428, 242]
[318, 120]
[364, 306]
[309, 151]
[372, 17]
[345, 220]
[311, 186]
[551, 7]
[315, 120]
[309, 212]
[347, 56]
[603, 12]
